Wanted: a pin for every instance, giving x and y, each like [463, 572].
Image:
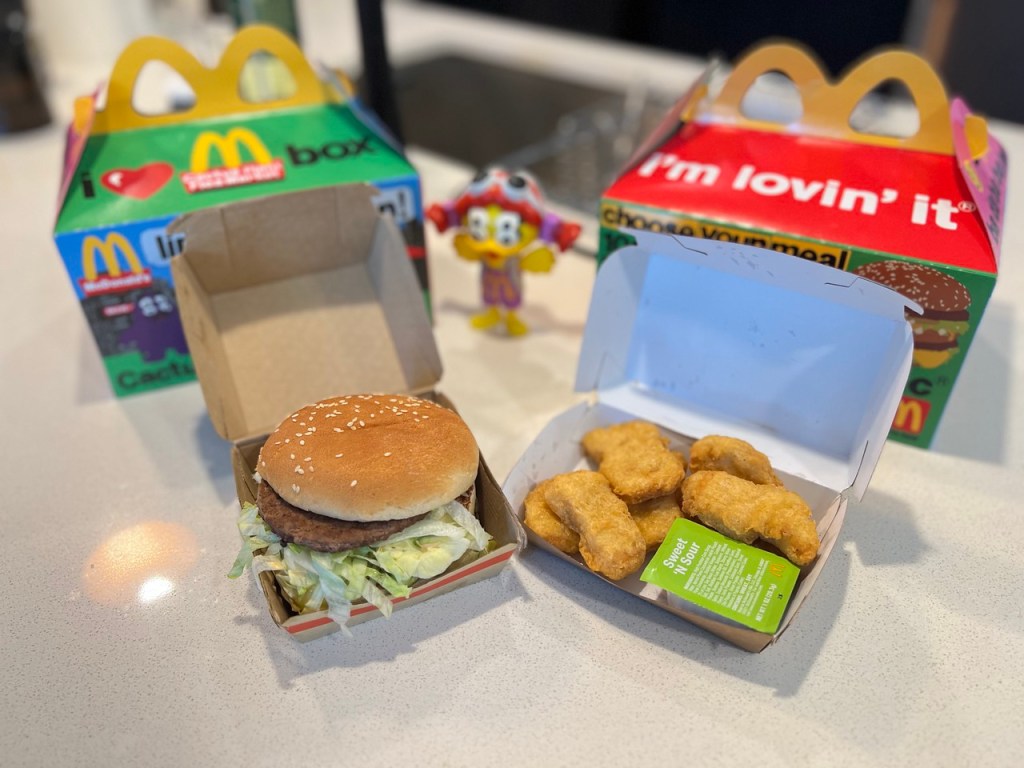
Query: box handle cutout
[797, 64]
[827, 106]
[217, 90]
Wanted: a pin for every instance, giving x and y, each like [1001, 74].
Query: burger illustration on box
[945, 300]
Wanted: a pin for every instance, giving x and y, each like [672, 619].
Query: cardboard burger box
[705, 337]
[127, 175]
[287, 300]
[920, 213]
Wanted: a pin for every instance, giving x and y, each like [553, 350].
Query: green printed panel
[726, 577]
[164, 171]
[130, 373]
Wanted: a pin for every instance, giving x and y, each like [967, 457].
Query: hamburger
[946, 303]
[359, 497]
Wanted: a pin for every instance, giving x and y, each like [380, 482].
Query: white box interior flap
[804, 361]
[289, 299]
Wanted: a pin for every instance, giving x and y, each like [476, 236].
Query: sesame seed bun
[365, 458]
[940, 296]
[944, 300]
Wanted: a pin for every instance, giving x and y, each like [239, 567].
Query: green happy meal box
[921, 214]
[127, 175]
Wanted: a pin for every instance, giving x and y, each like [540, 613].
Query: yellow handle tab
[84, 109]
[827, 106]
[216, 90]
[976, 130]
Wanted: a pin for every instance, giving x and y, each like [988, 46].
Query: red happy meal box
[921, 214]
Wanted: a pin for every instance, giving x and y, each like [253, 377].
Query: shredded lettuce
[421, 558]
[311, 579]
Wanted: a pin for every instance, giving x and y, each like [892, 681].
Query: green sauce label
[731, 579]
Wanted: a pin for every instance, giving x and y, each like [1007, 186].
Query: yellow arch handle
[798, 64]
[217, 90]
[934, 133]
[261, 37]
[827, 107]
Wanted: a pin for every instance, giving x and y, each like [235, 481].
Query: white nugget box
[703, 337]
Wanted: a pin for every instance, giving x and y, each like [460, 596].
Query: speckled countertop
[124, 644]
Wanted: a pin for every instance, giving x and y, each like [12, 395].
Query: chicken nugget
[541, 520]
[610, 541]
[634, 457]
[745, 511]
[655, 516]
[588, 557]
[732, 455]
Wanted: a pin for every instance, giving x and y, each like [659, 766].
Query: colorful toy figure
[502, 223]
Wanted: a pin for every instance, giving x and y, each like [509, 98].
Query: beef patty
[324, 534]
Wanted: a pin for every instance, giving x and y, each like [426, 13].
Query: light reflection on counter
[155, 588]
[139, 564]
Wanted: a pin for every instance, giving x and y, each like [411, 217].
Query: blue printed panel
[122, 278]
[103, 261]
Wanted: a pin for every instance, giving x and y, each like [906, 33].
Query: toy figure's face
[494, 234]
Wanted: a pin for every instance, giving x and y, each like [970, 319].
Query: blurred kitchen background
[476, 100]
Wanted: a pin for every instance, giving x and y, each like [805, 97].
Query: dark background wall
[983, 56]
[839, 31]
[975, 44]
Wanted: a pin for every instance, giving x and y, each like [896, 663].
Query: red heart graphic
[141, 182]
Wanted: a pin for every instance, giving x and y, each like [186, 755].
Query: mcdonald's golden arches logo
[911, 415]
[110, 251]
[229, 148]
[231, 159]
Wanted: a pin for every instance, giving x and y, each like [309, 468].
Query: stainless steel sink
[571, 136]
